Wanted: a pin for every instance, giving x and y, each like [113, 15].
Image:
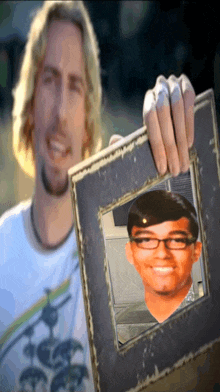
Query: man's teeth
[57, 147]
[163, 269]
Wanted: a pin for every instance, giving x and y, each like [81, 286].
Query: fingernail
[175, 93]
[190, 143]
[149, 102]
[174, 170]
[162, 95]
[162, 168]
[186, 85]
[185, 168]
[114, 139]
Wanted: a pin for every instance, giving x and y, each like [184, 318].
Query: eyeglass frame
[137, 240]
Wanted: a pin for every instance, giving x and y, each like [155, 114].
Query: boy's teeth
[163, 269]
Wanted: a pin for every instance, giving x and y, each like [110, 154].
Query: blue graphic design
[52, 353]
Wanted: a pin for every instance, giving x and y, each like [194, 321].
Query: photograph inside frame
[151, 281]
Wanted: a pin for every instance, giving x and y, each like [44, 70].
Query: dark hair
[159, 206]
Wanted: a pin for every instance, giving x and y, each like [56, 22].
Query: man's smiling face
[164, 271]
[59, 107]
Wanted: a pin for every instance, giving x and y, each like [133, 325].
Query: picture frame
[101, 184]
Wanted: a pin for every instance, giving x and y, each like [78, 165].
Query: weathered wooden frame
[107, 180]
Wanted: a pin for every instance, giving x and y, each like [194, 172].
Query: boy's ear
[197, 251]
[129, 253]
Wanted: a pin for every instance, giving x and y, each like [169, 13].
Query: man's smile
[58, 150]
[162, 271]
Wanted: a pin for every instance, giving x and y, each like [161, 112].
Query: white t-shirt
[43, 336]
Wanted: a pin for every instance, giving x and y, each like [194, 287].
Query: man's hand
[168, 115]
[114, 138]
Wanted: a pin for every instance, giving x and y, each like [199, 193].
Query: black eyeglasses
[170, 243]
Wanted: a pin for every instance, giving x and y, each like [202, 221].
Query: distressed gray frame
[107, 180]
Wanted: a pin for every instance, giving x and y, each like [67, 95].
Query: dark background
[168, 37]
[138, 40]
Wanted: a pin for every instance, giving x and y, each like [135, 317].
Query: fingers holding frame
[168, 114]
[163, 108]
[189, 96]
[154, 131]
[178, 117]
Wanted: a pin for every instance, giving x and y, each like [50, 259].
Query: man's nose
[62, 102]
[162, 251]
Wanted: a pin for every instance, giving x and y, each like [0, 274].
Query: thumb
[114, 139]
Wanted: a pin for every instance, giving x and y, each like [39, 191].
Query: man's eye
[75, 87]
[179, 240]
[144, 239]
[47, 80]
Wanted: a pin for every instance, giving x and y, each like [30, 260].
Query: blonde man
[43, 338]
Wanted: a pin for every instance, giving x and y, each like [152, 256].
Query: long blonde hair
[23, 93]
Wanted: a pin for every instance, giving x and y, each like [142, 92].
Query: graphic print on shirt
[51, 362]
